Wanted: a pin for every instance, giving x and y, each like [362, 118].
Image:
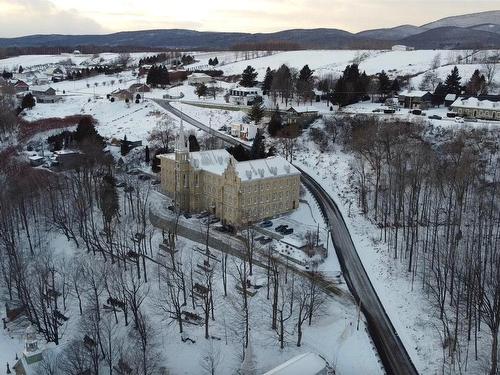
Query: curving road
[389, 346]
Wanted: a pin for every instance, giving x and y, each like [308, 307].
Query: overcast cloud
[23, 17]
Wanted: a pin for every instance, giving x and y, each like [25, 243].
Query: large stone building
[483, 107]
[235, 192]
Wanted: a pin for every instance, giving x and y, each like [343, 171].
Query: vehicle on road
[459, 120]
[203, 215]
[266, 224]
[266, 240]
[287, 231]
[279, 228]
[435, 117]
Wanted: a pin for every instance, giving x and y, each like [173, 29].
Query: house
[236, 192]
[67, 159]
[449, 99]
[121, 94]
[199, 78]
[31, 356]
[246, 132]
[415, 99]
[36, 160]
[46, 96]
[300, 114]
[76, 52]
[139, 88]
[243, 95]
[400, 47]
[21, 86]
[303, 364]
[40, 79]
[485, 107]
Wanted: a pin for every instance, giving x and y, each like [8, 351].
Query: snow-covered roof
[450, 97]
[303, 109]
[414, 93]
[476, 103]
[303, 364]
[274, 166]
[245, 89]
[216, 162]
[199, 75]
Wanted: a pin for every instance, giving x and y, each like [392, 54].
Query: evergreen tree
[193, 143]
[215, 61]
[275, 124]
[258, 150]
[86, 131]
[146, 152]
[21, 69]
[239, 153]
[351, 87]
[384, 83]
[28, 101]
[201, 90]
[268, 81]
[248, 77]
[210, 62]
[305, 83]
[395, 87]
[439, 95]
[256, 112]
[453, 82]
[476, 84]
[282, 83]
[124, 146]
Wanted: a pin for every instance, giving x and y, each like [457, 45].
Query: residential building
[243, 95]
[400, 47]
[31, 355]
[122, 95]
[303, 364]
[300, 114]
[415, 99]
[199, 78]
[449, 99]
[483, 107]
[47, 95]
[246, 132]
[21, 86]
[236, 192]
[138, 88]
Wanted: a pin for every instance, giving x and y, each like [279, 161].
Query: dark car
[435, 117]
[279, 228]
[187, 215]
[287, 231]
[265, 240]
[171, 208]
[203, 215]
[155, 182]
[266, 224]
[221, 228]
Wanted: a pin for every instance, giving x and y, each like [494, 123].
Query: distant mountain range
[470, 31]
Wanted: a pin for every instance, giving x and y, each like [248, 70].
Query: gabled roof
[303, 364]
[476, 103]
[414, 93]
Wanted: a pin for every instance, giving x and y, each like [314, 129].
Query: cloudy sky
[23, 17]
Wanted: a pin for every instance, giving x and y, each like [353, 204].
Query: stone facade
[235, 192]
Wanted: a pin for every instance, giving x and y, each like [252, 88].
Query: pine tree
[305, 83]
[384, 83]
[215, 61]
[124, 146]
[21, 69]
[86, 131]
[453, 81]
[275, 124]
[201, 90]
[210, 62]
[476, 84]
[146, 156]
[256, 112]
[248, 77]
[258, 150]
[28, 101]
[268, 81]
[193, 143]
[395, 87]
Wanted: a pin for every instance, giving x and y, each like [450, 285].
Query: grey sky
[23, 17]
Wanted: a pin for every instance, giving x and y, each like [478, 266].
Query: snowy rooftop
[476, 103]
[216, 161]
[413, 94]
[274, 166]
[303, 364]
[450, 97]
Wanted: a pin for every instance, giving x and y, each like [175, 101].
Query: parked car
[266, 224]
[187, 215]
[279, 228]
[287, 231]
[171, 208]
[265, 241]
[203, 215]
[223, 128]
[435, 117]
[155, 182]
[470, 119]
[221, 228]
[376, 110]
[459, 120]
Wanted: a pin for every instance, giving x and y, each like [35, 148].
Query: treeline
[277, 45]
[158, 76]
[437, 207]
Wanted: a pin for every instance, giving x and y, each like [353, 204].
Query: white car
[459, 120]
